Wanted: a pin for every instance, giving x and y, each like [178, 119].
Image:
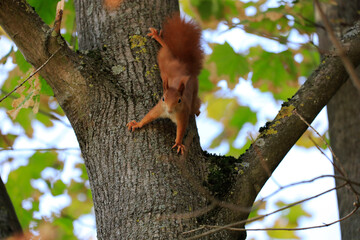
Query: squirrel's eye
[163, 99]
[179, 100]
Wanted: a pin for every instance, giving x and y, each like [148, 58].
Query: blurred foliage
[275, 72]
[287, 218]
[34, 102]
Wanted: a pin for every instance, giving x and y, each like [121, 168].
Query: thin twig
[341, 170]
[309, 181]
[293, 229]
[263, 216]
[38, 149]
[31, 75]
[340, 167]
[347, 63]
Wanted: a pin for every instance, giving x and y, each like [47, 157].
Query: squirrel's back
[183, 39]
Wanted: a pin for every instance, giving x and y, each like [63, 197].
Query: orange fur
[183, 40]
[112, 4]
[180, 62]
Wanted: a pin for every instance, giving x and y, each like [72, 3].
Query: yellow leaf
[310, 139]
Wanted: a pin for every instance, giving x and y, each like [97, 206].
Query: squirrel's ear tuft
[183, 82]
[181, 88]
[164, 78]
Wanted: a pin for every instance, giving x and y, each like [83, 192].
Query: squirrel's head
[172, 97]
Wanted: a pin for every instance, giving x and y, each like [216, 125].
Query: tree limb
[279, 135]
[36, 42]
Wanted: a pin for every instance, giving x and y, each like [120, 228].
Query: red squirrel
[180, 61]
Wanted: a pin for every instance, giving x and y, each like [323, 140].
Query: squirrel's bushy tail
[183, 39]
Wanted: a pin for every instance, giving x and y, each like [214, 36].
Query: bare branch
[39, 149]
[309, 181]
[293, 229]
[340, 168]
[342, 171]
[228, 226]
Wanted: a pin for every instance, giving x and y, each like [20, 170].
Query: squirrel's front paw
[133, 125]
[153, 33]
[180, 148]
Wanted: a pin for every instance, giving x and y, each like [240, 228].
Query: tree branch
[279, 135]
[36, 42]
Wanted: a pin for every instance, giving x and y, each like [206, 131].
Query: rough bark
[344, 118]
[9, 223]
[135, 178]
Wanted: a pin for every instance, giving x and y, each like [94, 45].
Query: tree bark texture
[134, 178]
[344, 118]
[9, 223]
[141, 189]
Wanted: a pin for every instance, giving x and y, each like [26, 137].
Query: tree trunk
[344, 118]
[9, 223]
[133, 186]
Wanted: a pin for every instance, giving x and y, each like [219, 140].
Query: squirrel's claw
[153, 32]
[132, 125]
[180, 148]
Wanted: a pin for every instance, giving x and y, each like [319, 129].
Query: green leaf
[215, 8]
[241, 116]
[44, 119]
[19, 184]
[24, 118]
[69, 24]
[233, 117]
[45, 88]
[7, 140]
[228, 63]
[266, 25]
[205, 85]
[279, 223]
[21, 62]
[275, 72]
[257, 206]
[289, 219]
[303, 11]
[45, 9]
[236, 152]
[58, 188]
[295, 213]
[217, 107]
[65, 224]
